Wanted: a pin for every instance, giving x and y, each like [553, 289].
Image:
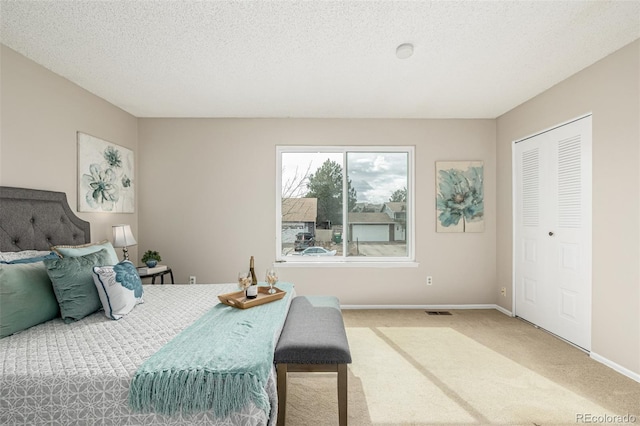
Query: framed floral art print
[105, 176]
[460, 196]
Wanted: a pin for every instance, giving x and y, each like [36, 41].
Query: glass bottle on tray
[252, 290]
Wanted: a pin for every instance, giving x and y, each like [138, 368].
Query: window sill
[337, 264]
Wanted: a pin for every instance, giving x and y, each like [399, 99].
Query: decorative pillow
[24, 256]
[119, 287]
[75, 251]
[72, 279]
[26, 297]
[49, 255]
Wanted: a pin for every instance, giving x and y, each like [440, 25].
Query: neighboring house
[370, 227]
[397, 210]
[298, 215]
[366, 208]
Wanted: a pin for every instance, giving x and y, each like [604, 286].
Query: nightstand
[160, 274]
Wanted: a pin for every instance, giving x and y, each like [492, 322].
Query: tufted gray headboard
[32, 219]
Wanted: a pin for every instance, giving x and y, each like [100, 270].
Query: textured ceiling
[317, 58]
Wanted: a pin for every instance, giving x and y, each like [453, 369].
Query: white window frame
[348, 261]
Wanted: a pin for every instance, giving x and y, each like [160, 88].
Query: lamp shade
[122, 236]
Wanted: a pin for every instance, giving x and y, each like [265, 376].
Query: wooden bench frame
[342, 371]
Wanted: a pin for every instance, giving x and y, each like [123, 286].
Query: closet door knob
[550, 234]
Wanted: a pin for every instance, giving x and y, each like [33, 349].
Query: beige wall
[40, 115]
[209, 204]
[610, 89]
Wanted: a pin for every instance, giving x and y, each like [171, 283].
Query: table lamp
[123, 237]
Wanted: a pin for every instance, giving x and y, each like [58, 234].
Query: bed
[80, 372]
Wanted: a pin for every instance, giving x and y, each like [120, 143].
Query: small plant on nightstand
[151, 258]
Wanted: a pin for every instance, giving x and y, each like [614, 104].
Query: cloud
[374, 175]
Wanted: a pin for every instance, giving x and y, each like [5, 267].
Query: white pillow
[12, 256]
[119, 288]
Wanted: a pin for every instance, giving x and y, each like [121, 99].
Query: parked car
[303, 241]
[318, 251]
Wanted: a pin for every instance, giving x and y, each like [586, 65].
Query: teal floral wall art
[460, 196]
[105, 176]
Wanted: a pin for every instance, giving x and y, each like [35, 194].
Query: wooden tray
[238, 299]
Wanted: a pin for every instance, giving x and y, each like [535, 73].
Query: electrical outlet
[429, 280]
[192, 279]
[503, 291]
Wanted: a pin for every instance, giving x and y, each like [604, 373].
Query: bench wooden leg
[341, 369]
[282, 393]
[342, 394]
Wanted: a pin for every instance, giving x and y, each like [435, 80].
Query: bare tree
[295, 188]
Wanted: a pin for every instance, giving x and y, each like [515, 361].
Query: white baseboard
[504, 311]
[429, 307]
[617, 367]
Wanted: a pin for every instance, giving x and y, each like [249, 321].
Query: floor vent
[438, 312]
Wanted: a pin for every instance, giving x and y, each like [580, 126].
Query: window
[344, 204]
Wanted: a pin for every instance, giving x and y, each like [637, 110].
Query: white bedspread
[79, 373]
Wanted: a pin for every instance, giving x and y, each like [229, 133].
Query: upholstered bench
[313, 339]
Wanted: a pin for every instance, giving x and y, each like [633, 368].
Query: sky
[375, 176]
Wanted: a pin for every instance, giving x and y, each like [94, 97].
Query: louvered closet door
[552, 231]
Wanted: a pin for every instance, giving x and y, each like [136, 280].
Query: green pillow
[26, 297]
[75, 251]
[72, 279]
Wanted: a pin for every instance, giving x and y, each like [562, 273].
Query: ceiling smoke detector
[404, 51]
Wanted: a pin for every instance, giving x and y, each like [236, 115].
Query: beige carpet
[470, 368]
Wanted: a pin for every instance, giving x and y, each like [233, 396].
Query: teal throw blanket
[219, 363]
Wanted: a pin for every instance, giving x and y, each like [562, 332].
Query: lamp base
[125, 253]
